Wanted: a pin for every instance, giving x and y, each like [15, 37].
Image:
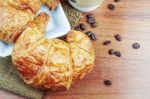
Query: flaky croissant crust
[15, 15]
[52, 64]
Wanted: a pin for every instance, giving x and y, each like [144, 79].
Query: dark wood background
[130, 74]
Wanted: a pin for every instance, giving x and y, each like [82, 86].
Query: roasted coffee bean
[136, 45]
[77, 28]
[107, 82]
[106, 42]
[93, 37]
[111, 7]
[111, 52]
[89, 16]
[118, 37]
[91, 20]
[82, 26]
[116, 0]
[89, 33]
[117, 53]
[94, 24]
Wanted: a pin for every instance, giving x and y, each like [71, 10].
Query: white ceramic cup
[85, 5]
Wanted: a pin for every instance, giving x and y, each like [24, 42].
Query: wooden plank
[130, 74]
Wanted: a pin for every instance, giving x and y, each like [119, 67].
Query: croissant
[30, 6]
[12, 23]
[52, 4]
[15, 15]
[52, 64]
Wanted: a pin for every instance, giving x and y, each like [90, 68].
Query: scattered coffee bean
[94, 24]
[116, 0]
[106, 42]
[90, 16]
[93, 37]
[136, 45]
[117, 53]
[107, 82]
[77, 28]
[89, 33]
[118, 37]
[91, 20]
[111, 52]
[82, 26]
[111, 7]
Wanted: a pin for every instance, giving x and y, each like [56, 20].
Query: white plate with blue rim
[57, 26]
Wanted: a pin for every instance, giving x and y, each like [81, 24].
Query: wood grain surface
[130, 74]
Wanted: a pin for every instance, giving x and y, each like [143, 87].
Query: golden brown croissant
[51, 4]
[24, 5]
[15, 15]
[12, 23]
[52, 64]
[14, 18]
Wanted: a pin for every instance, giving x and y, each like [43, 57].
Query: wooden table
[130, 74]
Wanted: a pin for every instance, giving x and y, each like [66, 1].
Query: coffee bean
[82, 26]
[118, 37]
[77, 28]
[107, 82]
[94, 24]
[111, 7]
[89, 33]
[106, 42]
[90, 16]
[116, 0]
[117, 53]
[91, 20]
[93, 37]
[136, 45]
[111, 52]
